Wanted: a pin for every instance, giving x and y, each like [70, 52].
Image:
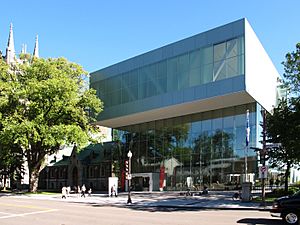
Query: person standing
[83, 189]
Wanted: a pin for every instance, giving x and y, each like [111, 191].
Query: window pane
[125, 95]
[161, 70]
[219, 70]
[162, 86]
[195, 60]
[116, 97]
[232, 67]
[219, 51]
[241, 46]
[183, 80]
[232, 49]
[206, 55]
[241, 67]
[172, 66]
[206, 73]
[133, 93]
[195, 77]
[142, 75]
[183, 63]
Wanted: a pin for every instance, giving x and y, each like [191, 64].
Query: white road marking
[26, 214]
[7, 213]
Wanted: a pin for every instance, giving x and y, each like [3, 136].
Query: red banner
[161, 177]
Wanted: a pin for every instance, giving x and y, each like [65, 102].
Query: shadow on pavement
[257, 221]
[153, 208]
[166, 209]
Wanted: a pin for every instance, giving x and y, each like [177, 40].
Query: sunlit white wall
[260, 73]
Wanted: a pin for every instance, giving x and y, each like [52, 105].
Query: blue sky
[96, 34]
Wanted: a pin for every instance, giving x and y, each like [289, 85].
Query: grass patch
[25, 192]
[5, 191]
[267, 199]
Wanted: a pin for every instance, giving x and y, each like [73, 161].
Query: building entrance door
[140, 183]
[145, 181]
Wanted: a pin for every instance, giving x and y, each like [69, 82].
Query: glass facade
[200, 66]
[207, 148]
[181, 108]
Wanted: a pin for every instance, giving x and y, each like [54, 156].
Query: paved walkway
[214, 200]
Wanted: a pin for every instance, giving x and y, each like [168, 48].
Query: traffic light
[126, 169]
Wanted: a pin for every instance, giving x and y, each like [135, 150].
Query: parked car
[288, 208]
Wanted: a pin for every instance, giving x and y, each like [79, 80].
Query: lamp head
[129, 154]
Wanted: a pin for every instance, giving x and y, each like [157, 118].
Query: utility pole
[263, 157]
[263, 152]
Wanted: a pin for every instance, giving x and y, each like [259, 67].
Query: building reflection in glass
[193, 151]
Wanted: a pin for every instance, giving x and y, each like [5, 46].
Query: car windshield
[297, 193]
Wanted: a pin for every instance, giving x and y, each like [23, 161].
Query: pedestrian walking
[68, 191]
[113, 191]
[90, 192]
[78, 191]
[64, 192]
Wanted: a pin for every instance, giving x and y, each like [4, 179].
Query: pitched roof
[92, 154]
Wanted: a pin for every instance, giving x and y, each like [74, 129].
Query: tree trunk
[286, 178]
[4, 185]
[34, 178]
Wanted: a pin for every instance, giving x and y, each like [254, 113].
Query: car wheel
[291, 217]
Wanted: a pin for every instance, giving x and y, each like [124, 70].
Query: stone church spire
[36, 47]
[10, 49]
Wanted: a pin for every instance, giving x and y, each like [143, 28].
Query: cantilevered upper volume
[220, 68]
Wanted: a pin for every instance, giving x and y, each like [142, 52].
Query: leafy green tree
[283, 126]
[11, 163]
[43, 106]
[292, 71]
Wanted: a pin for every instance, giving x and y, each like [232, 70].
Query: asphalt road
[15, 211]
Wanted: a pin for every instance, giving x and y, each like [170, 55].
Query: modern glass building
[181, 109]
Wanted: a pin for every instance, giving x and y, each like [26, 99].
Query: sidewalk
[214, 200]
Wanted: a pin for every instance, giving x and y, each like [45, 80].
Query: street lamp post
[129, 154]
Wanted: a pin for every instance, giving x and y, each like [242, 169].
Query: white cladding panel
[260, 73]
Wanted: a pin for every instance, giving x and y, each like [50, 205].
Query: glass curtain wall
[207, 149]
[201, 66]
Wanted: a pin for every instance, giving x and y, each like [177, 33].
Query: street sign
[263, 172]
[274, 145]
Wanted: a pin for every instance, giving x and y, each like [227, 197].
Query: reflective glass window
[195, 60]
[241, 64]
[195, 77]
[133, 91]
[241, 45]
[206, 125]
[161, 70]
[232, 48]
[206, 55]
[172, 65]
[232, 68]
[125, 95]
[219, 70]
[161, 85]
[207, 73]
[183, 80]
[220, 51]
[183, 63]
